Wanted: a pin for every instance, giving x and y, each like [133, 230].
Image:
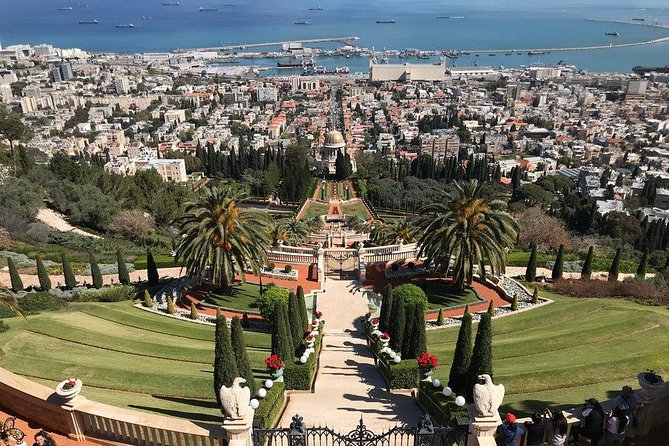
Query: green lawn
[315, 210]
[243, 298]
[355, 209]
[125, 357]
[443, 296]
[573, 349]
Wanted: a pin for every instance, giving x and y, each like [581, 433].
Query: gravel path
[57, 221]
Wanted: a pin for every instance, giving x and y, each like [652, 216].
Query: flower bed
[280, 273]
[404, 272]
[298, 376]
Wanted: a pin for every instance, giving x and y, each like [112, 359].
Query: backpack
[506, 435]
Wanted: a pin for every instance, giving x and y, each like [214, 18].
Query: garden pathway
[348, 385]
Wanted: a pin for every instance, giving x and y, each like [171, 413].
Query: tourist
[556, 428]
[628, 401]
[43, 439]
[509, 433]
[615, 426]
[13, 437]
[535, 430]
[592, 423]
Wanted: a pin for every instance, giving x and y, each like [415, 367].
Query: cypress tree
[559, 264]
[462, 355]
[123, 275]
[70, 280]
[397, 327]
[282, 341]
[294, 320]
[151, 269]
[148, 302]
[514, 303]
[241, 355]
[481, 354]
[170, 306]
[194, 315]
[386, 307]
[586, 272]
[531, 272]
[14, 276]
[491, 309]
[666, 262]
[306, 320]
[440, 317]
[225, 364]
[643, 264]
[408, 339]
[615, 266]
[535, 296]
[95, 271]
[43, 276]
[419, 335]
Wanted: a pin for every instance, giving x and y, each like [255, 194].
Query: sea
[473, 25]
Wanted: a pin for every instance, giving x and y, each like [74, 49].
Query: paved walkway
[348, 385]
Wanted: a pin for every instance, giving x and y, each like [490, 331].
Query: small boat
[171, 4]
[386, 21]
[639, 19]
[316, 8]
[88, 22]
[125, 25]
[147, 17]
[492, 54]
[457, 17]
[508, 54]
[443, 17]
[614, 34]
[536, 53]
[203, 9]
[65, 8]
[302, 22]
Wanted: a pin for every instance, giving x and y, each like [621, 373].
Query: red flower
[385, 336]
[426, 361]
[319, 314]
[274, 362]
[375, 321]
[314, 322]
[310, 337]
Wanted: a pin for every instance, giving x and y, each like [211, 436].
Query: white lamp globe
[262, 393]
[447, 391]
[460, 401]
[393, 355]
[436, 382]
[397, 359]
[269, 383]
[254, 403]
[303, 359]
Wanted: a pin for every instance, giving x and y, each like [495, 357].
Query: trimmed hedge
[440, 407]
[6, 312]
[35, 303]
[109, 294]
[267, 302]
[270, 406]
[298, 376]
[399, 376]
[3, 327]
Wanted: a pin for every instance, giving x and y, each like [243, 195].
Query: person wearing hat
[629, 402]
[592, 425]
[509, 433]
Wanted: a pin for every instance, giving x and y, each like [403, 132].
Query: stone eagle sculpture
[487, 396]
[235, 399]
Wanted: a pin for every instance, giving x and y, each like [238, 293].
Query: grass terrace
[243, 297]
[356, 209]
[126, 357]
[441, 295]
[573, 349]
[315, 210]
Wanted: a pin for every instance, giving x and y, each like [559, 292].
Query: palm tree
[290, 231]
[471, 226]
[398, 231]
[220, 238]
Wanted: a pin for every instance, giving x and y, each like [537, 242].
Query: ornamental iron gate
[425, 433]
[343, 264]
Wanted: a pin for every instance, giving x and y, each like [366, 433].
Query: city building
[122, 85]
[334, 144]
[406, 72]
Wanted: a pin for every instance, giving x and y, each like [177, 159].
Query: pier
[245, 46]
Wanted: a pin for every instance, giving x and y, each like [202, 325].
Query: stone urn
[276, 374]
[69, 388]
[650, 381]
[426, 374]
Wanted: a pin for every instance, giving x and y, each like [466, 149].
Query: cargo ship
[88, 22]
[386, 21]
[65, 8]
[639, 19]
[316, 8]
[640, 69]
[203, 9]
[125, 25]
[614, 34]
[302, 22]
[536, 53]
[294, 62]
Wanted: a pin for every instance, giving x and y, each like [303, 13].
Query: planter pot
[384, 342]
[426, 374]
[69, 394]
[310, 344]
[649, 381]
[375, 326]
[276, 374]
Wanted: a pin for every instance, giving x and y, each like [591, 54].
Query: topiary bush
[3, 327]
[270, 266]
[110, 294]
[148, 302]
[193, 312]
[287, 268]
[268, 301]
[410, 294]
[170, 306]
[400, 376]
[35, 303]
[514, 303]
[440, 317]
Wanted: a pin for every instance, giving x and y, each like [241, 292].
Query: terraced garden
[573, 349]
[445, 296]
[125, 357]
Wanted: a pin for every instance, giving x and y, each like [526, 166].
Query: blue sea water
[487, 24]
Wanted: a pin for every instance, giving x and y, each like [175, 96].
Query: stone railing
[403, 253]
[82, 418]
[294, 258]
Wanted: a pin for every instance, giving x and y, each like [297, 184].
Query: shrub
[95, 271]
[14, 276]
[643, 290]
[170, 306]
[270, 266]
[151, 269]
[148, 302]
[3, 327]
[123, 275]
[241, 355]
[287, 268]
[514, 303]
[395, 266]
[462, 356]
[70, 280]
[615, 266]
[225, 364]
[558, 267]
[43, 276]
[132, 224]
[245, 320]
[398, 324]
[643, 264]
[440, 317]
[194, 315]
[531, 271]
[586, 272]
[282, 341]
[268, 301]
[110, 294]
[535, 296]
[35, 303]
[386, 305]
[400, 376]
[6, 312]
[481, 354]
[303, 306]
[410, 294]
[295, 320]
[270, 406]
